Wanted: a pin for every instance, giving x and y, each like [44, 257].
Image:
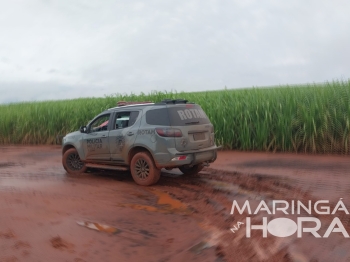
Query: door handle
[104, 136]
[130, 133]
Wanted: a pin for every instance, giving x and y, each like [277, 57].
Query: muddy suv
[143, 138]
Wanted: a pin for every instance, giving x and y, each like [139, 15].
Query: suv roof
[124, 104]
[118, 107]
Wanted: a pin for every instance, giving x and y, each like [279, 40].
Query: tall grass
[304, 118]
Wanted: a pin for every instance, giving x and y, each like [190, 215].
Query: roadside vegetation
[303, 118]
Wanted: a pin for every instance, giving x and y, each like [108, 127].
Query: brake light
[179, 158]
[169, 132]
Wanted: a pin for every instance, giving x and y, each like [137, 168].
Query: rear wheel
[191, 170]
[72, 162]
[143, 170]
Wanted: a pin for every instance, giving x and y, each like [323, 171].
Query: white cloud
[124, 46]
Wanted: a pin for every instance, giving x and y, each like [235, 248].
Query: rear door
[194, 124]
[123, 134]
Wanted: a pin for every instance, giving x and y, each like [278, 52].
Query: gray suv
[143, 138]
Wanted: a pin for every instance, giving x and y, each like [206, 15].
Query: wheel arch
[66, 147]
[137, 149]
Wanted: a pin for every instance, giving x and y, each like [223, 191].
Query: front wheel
[191, 170]
[72, 162]
[143, 170]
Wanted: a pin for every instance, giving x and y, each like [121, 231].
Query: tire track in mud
[210, 195]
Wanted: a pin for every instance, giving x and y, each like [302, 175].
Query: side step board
[119, 168]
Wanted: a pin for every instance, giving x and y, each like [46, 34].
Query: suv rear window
[157, 117]
[177, 116]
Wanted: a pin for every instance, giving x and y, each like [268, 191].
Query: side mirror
[83, 129]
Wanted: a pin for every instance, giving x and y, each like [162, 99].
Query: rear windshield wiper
[192, 123]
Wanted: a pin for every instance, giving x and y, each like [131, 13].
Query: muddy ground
[47, 215]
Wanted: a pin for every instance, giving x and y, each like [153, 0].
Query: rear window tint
[177, 116]
[158, 117]
[186, 115]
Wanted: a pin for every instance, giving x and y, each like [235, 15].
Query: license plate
[199, 136]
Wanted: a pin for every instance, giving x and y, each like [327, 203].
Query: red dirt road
[179, 219]
[325, 176]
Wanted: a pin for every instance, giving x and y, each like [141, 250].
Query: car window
[183, 115]
[125, 119]
[158, 117]
[100, 124]
[180, 115]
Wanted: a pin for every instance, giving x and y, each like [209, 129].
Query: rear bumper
[193, 157]
[206, 156]
[199, 150]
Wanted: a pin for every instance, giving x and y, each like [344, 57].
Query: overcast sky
[70, 48]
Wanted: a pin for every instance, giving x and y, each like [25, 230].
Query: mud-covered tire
[157, 177]
[143, 170]
[72, 162]
[191, 170]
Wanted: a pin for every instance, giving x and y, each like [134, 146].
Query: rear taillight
[179, 158]
[169, 132]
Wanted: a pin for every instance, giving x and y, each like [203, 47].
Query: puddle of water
[199, 247]
[165, 203]
[26, 184]
[223, 186]
[213, 238]
[8, 164]
[98, 227]
[231, 188]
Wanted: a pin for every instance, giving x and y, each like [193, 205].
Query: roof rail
[127, 104]
[174, 101]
